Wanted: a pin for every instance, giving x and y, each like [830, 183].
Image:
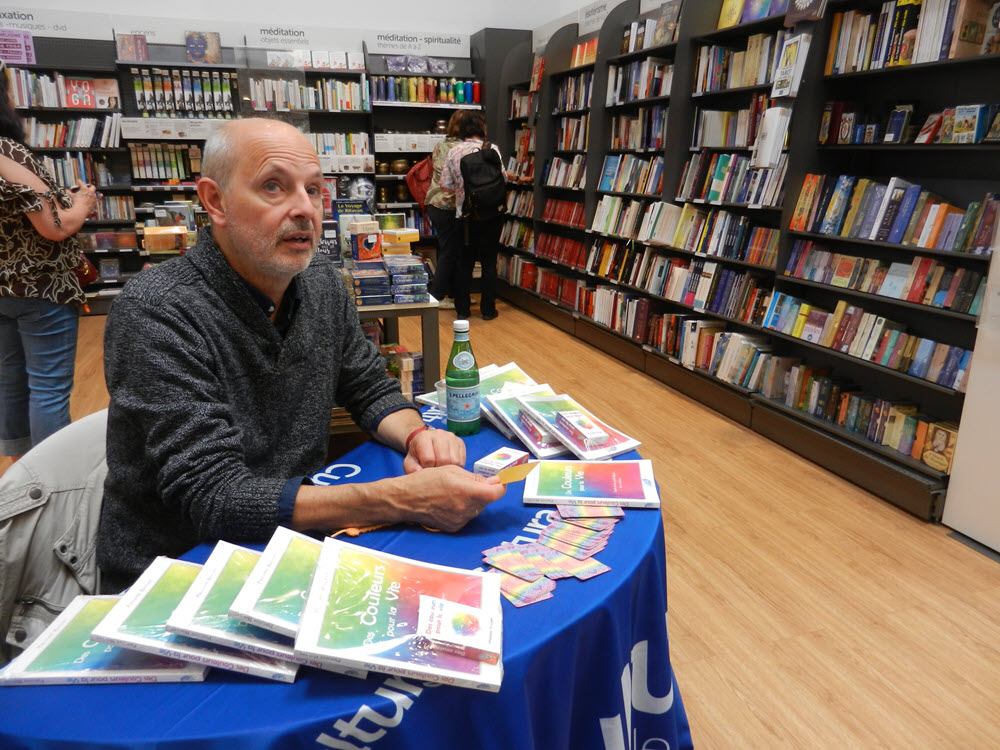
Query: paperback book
[626, 484]
[546, 409]
[139, 622]
[363, 611]
[204, 611]
[275, 590]
[65, 654]
[536, 437]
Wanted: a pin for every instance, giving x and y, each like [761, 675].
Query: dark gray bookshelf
[960, 173]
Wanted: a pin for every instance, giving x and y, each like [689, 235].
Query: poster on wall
[17, 47]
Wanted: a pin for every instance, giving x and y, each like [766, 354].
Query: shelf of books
[817, 277]
[72, 119]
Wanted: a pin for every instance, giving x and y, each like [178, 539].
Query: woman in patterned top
[39, 291]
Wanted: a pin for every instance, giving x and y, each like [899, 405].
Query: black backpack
[485, 188]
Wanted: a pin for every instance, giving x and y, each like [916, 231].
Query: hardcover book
[545, 409]
[139, 622]
[626, 484]
[804, 10]
[363, 608]
[65, 654]
[275, 589]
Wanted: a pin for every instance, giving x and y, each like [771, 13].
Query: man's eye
[315, 190]
[272, 186]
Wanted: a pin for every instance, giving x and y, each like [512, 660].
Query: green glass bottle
[461, 377]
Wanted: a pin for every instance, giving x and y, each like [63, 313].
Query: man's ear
[212, 200]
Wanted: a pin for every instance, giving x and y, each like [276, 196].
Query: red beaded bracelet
[409, 438]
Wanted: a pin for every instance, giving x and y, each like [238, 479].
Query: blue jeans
[37, 357]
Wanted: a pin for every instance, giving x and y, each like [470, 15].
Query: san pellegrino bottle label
[464, 361]
[463, 403]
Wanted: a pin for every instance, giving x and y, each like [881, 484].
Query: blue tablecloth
[587, 669]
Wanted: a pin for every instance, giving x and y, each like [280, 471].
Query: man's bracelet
[409, 438]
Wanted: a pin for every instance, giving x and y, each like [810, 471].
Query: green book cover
[275, 590]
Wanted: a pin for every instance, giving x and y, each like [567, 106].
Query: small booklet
[139, 621]
[65, 654]
[363, 610]
[275, 590]
[204, 611]
[536, 437]
[546, 410]
[627, 484]
[469, 632]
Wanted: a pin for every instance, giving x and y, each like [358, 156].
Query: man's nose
[303, 203]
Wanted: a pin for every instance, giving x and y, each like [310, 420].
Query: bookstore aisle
[804, 611]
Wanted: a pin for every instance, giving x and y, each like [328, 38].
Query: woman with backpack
[440, 206]
[474, 171]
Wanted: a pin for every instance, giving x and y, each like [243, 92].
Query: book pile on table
[331, 605]
[407, 274]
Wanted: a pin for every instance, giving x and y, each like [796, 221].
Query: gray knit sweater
[212, 411]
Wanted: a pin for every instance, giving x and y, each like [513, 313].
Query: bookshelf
[75, 139]
[603, 311]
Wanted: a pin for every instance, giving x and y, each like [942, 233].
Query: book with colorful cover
[362, 611]
[538, 439]
[275, 590]
[65, 654]
[546, 409]
[139, 622]
[626, 484]
[204, 611]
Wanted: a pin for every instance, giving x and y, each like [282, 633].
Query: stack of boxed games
[408, 278]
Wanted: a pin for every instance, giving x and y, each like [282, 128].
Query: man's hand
[444, 497]
[431, 447]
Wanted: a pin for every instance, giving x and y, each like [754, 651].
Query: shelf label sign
[63, 24]
[591, 17]
[159, 30]
[389, 42]
[284, 36]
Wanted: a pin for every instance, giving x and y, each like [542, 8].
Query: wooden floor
[804, 612]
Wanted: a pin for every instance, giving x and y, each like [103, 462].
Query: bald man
[223, 366]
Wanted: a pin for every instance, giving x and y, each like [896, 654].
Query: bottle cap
[460, 326]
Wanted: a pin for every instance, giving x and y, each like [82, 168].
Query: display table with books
[585, 666]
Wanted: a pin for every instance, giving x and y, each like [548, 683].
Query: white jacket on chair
[50, 505]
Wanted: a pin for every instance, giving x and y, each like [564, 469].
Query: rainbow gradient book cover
[275, 590]
[65, 654]
[204, 611]
[363, 610]
[139, 621]
[545, 409]
[628, 484]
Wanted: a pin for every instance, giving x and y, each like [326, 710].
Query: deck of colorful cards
[564, 549]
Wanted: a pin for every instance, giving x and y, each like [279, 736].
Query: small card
[517, 472]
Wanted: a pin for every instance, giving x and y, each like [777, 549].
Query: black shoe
[462, 316]
[490, 315]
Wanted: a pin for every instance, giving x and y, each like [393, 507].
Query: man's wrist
[409, 438]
